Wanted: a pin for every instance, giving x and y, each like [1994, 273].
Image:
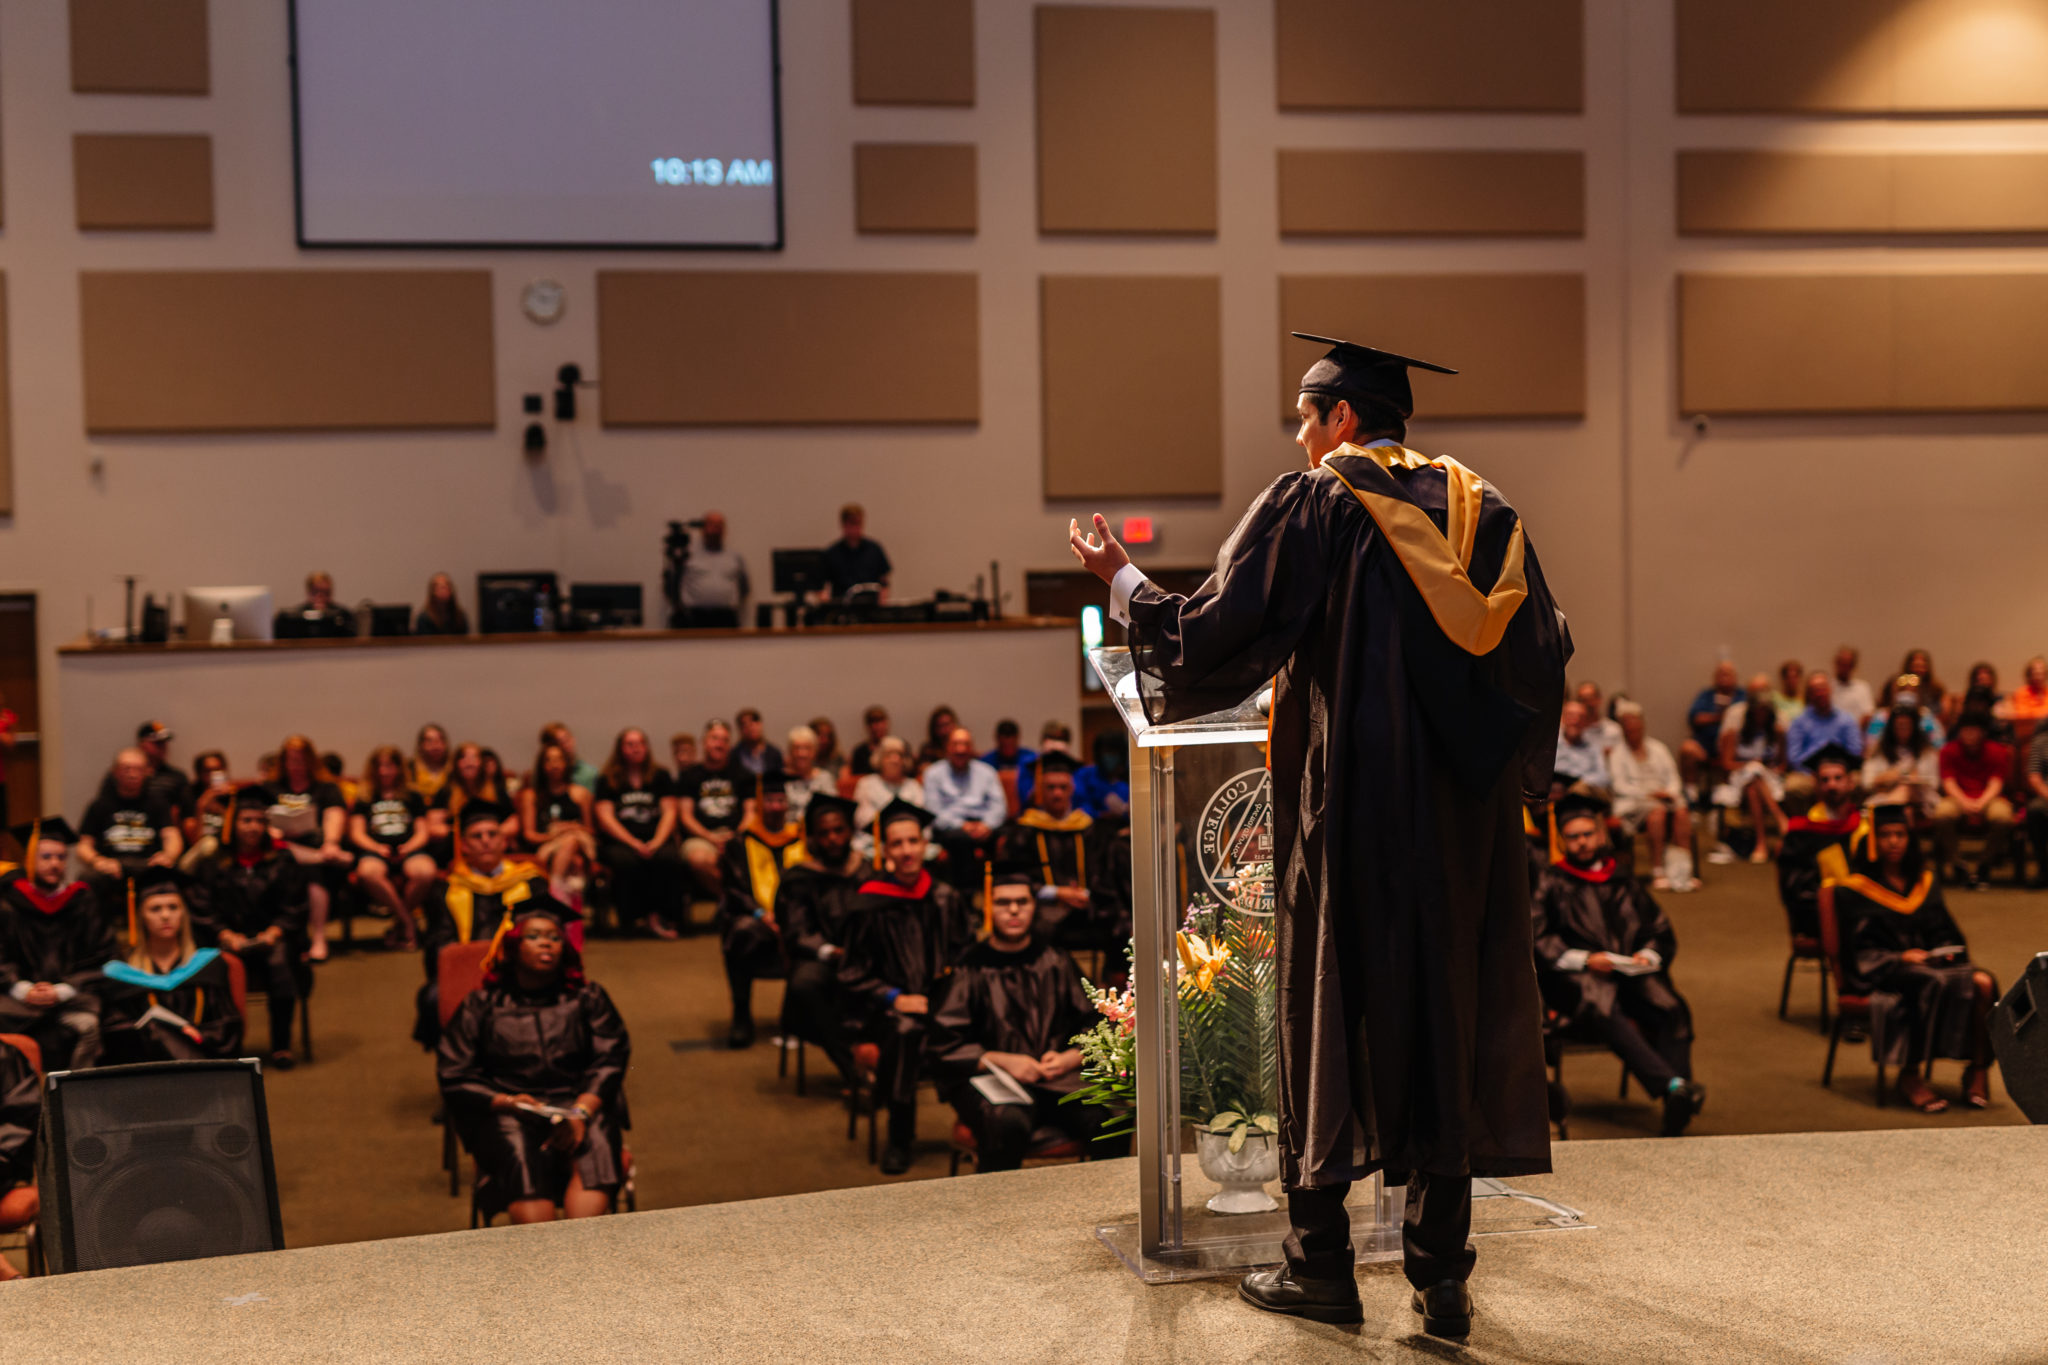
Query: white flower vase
[1243, 1174]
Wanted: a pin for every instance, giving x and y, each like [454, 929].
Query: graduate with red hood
[53, 939]
[1603, 961]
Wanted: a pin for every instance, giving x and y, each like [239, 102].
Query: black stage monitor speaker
[2019, 1035]
[167, 1161]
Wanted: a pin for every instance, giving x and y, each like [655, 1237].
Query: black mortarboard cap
[1011, 872]
[476, 812]
[820, 805]
[1364, 375]
[1832, 753]
[1897, 814]
[543, 904]
[53, 828]
[153, 879]
[1575, 804]
[900, 810]
[1057, 761]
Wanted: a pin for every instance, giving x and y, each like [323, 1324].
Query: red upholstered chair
[1849, 1008]
[460, 971]
[1047, 1144]
[1806, 948]
[27, 1047]
[1558, 1042]
[32, 1243]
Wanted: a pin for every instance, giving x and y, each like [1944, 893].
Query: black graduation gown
[1410, 1028]
[555, 1044]
[1611, 915]
[59, 937]
[1920, 1010]
[1810, 839]
[21, 1113]
[1029, 1002]
[901, 941]
[463, 907]
[813, 906]
[1065, 857]
[206, 1001]
[755, 862]
[250, 898]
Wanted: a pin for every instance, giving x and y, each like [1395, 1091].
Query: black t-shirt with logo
[126, 828]
[637, 808]
[717, 794]
[390, 819]
[298, 815]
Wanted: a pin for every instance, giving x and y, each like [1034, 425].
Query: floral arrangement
[1229, 1027]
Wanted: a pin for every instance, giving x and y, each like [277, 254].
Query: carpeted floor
[358, 1158]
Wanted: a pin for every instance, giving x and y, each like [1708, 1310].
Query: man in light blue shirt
[1822, 723]
[966, 797]
[1579, 755]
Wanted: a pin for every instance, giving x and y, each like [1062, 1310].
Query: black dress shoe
[742, 1035]
[1276, 1291]
[283, 1061]
[1446, 1309]
[895, 1160]
[1681, 1104]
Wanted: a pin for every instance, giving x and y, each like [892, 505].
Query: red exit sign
[1137, 531]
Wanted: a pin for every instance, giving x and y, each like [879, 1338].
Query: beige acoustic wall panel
[139, 47]
[1455, 55]
[787, 347]
[1862, 343]
[1340, 192]
[143, 182]
[1721, 192]
[286, 350]
[914, 187]
[913, 52]
[1970, 56]
[1103, 433]
[1518, 341]
[1126, 120]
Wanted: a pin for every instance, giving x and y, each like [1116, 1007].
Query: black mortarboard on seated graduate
[1896, 814]
[480, 812]
[820, 805]
[896, 812]
[53, 828]
[1575, 805]
[1364, 376]
[1832, 753]
[544, 906]
[146, 883]
[1863, 843]
[1057, 761]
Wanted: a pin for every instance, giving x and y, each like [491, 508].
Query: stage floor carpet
[1866, 1247]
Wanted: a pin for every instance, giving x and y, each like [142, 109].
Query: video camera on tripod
[675, 557]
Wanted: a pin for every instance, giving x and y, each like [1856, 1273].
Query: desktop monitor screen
[248, 608]
[799, 571]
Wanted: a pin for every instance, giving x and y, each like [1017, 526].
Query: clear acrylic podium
[1201, 850]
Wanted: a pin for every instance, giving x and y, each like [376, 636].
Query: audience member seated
[1103, 788]
[1753, 756]
[875, 723]
[1647, 796]
[968, 808]
[905, 932]
[714, 590]
[1699, 757]
[830, 761]
[310, 814]
[1053, 737]
[636, 827]
[754, 752]
[1789, 696]
[854, 561]
[1013, 1005]
[555, 819]
[432, 762]
[126, 830]
[806, 777]
[1851, 693]
[442, 613]
[471, 778]
[1817, 839]
[21, 1114]
[1603, 729]
[1579, 754]
[532, 1069]
[1982, 697]
[2037, 804]
[1009, 758]
[53, 939]
[769, 843]
[1973, 776]
[213, 790]
[1904, 767]
[1904, 950]
[938, 728]
[813, 903]
[1820, 726]
[1603, 957]
[169, 1000]
[469, 903]
[319, 617]
[1062, 850]
[1905, 694]
[2028, 704]
[388, 829]
[153, 739]
[253, 899]
[892, 780]
[582, 774]
[682, 751]
[710, 803]
[1916, 675]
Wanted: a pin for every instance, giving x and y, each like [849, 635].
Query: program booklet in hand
[1000, 1087]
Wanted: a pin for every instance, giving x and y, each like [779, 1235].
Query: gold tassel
[28, 855]
[878, 841]
[1556, 844]
[134, 939]
[988, 899]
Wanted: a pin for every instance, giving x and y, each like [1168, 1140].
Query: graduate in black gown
[1902, 948]
[53, 939]
[21, 1114]
[1014, 1004]
[1417, 659]
[168, 1000]
[537, 1037]
[1065, 849]
[1817, 839]
[905, 931]
[253, 898]
[765, 846]
[1603, 960]
[469, 902]
[813, 905]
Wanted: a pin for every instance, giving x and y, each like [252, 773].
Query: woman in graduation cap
[531, 1067]
[1902, 948]
[1395, 603]
[169, 1000]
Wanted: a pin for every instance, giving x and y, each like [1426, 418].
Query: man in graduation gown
[813, 904]
[1417, 660]
[905, 931]
[1603, 960]
[1063, 849]
[1013, 1005]
[253, 899]
[1817, 839]
[767, 844]
[53, 941]
[469, 902]
[1903, 949]
[21, 1114]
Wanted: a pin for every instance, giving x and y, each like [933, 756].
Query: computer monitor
[390, 619]
[509, 603]
[604, 606]
[798, 572]
[248, 608]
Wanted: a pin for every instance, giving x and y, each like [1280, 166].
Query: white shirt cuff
[1120, 589]
[1653, 957]
[20, 989]
[1572, 960]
